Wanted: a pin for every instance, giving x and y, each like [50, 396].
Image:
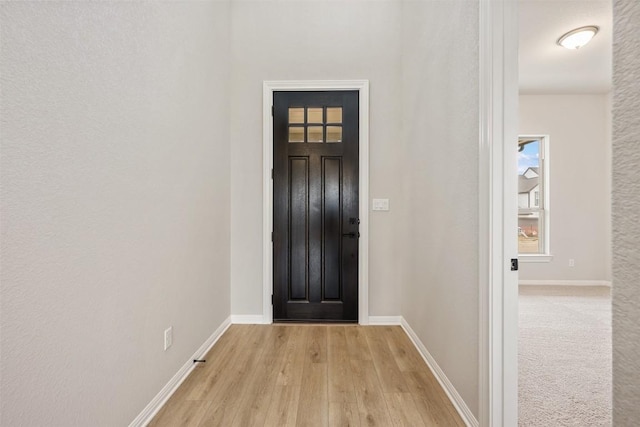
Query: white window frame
[544, 187]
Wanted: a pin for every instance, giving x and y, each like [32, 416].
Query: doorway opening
[564, 216]
[312, 288]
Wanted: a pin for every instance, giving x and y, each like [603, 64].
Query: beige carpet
[564, 356]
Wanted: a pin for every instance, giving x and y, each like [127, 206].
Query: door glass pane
[314, 134]
[334, 133]
[296, 134]
[296, 115]
[314, 115]
[334, 115]
[528, 237]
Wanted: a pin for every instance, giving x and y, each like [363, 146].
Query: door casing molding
[268, 87]
[498, 287]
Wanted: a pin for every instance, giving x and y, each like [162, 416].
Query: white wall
[441, 128]
[579, 159]
[274, 40]
[626, 205]
[115, 202]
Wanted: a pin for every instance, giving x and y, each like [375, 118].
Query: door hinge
[272, 236]
[272, 110]
[271, 173]
[271, 299]
[514, 264]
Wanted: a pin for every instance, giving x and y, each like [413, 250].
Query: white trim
[248, 319]
[535, 258]
[268, 87]
[385, 320]
[498, 290]
[161, 398]
[453, 395]
[605, 283]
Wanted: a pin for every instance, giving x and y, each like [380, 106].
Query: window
[315, 124]
[533, 196]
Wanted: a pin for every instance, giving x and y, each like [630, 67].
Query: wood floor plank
[432, 402]
[390, 376]
[317, 344]
[433, 415]
[344, 414]
[404, 352]
[402, 410]
[283, 409]
[313, 406]
[371, 403]
[258, 391]
[227, 398]
[340, 381]
[290, 372]
[357, 343]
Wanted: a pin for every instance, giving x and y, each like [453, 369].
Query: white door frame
[268, 87]
[498, 335]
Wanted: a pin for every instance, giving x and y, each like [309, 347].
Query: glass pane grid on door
[315, 124]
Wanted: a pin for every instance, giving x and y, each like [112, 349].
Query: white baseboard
[452, 393]
[385, 320]
[161, 398]
[247, 319]
[564, 283]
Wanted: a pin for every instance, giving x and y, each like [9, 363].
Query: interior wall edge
[147, 414]
[458, 402]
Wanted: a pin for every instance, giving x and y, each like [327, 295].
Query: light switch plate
[380, 204]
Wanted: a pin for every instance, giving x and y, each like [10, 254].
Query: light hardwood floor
[310, 375]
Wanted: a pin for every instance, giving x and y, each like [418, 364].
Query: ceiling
[546, 67]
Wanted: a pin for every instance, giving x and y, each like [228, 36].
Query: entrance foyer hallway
[310, 375]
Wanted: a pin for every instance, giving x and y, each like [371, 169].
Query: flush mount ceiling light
[577, 38]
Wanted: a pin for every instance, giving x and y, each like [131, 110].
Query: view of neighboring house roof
[535, 170]
[525, 185]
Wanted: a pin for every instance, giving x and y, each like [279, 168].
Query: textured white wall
[115, 202]
[626, 205]
[322, 40]
[580, 170]
[441, 128]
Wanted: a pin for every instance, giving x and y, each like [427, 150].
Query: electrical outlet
[168, 337]
[572, 262]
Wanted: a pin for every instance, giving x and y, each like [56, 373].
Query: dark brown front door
[315, 214]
